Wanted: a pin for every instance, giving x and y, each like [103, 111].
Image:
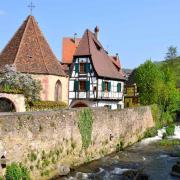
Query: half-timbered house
[96, 79]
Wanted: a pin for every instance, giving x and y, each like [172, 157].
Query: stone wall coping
[61, 110]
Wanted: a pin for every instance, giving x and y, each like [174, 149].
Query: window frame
[84, 86]
[82, 69]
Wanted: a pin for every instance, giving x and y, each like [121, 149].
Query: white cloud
[2, 12]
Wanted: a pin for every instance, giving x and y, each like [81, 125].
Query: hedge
[45, 105]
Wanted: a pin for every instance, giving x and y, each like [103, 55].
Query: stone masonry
[44, 140]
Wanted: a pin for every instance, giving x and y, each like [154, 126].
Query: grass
[170, 130]
[169, 142]
[119, 146]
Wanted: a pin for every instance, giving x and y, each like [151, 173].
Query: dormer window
[82, 68]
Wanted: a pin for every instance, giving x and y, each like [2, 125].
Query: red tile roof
[69, 46]
[103, 64]
[29, 51]
[116, 61]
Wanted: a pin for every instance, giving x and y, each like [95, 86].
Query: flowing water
[155, 161]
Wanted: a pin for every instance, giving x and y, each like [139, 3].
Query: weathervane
[31, 7]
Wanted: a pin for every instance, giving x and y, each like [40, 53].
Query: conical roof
[29, 51]
[103, 65]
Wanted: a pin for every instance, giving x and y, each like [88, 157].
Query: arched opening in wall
[58, 91]
[6, 105]
[80, 104]
[3, 161]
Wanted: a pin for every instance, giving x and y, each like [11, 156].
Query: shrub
[166, 118]
[25, 173]
[119, 146]
[13, 81]
[164, 135]
[151, 132]
[160, 117]
[170, 130]
[156, 114]
[45, 105]
[16, 172]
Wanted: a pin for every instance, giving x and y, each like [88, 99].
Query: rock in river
[176, 169]
[63, 170]
[135, 175]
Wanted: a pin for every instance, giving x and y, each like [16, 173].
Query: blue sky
[136, 29]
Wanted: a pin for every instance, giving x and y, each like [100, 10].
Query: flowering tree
[17, 82]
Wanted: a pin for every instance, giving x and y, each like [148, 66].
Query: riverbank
[148, 155]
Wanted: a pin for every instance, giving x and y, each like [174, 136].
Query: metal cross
[31, 7]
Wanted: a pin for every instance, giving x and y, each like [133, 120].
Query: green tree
[169, 96]
[149, 79]
[157, 85]
[172, 53]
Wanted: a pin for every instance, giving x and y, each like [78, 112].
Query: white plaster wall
[113, 104]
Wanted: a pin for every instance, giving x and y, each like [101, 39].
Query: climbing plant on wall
[85, 126]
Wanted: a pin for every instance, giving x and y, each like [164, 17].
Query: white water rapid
[160, 135]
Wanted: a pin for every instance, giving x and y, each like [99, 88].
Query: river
[155, 161]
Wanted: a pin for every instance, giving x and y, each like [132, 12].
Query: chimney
[96, 32]
[117, 56]
[75, 34]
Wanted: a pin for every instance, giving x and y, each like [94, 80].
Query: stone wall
[17, 99]
[44, 140]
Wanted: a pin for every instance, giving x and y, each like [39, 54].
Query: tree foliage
[157, 85]
[169, 96]
[14, 81]
[149, 79]
[172, 53]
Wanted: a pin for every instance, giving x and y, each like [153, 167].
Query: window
[58, 91]
[135, 100]
[82, 67]
[82, 85]
[106, 86]
[108, 106]
[118, 106]
[76, 85]
[119, 87]
[76, 67]
[94, 88]
[87, 85]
